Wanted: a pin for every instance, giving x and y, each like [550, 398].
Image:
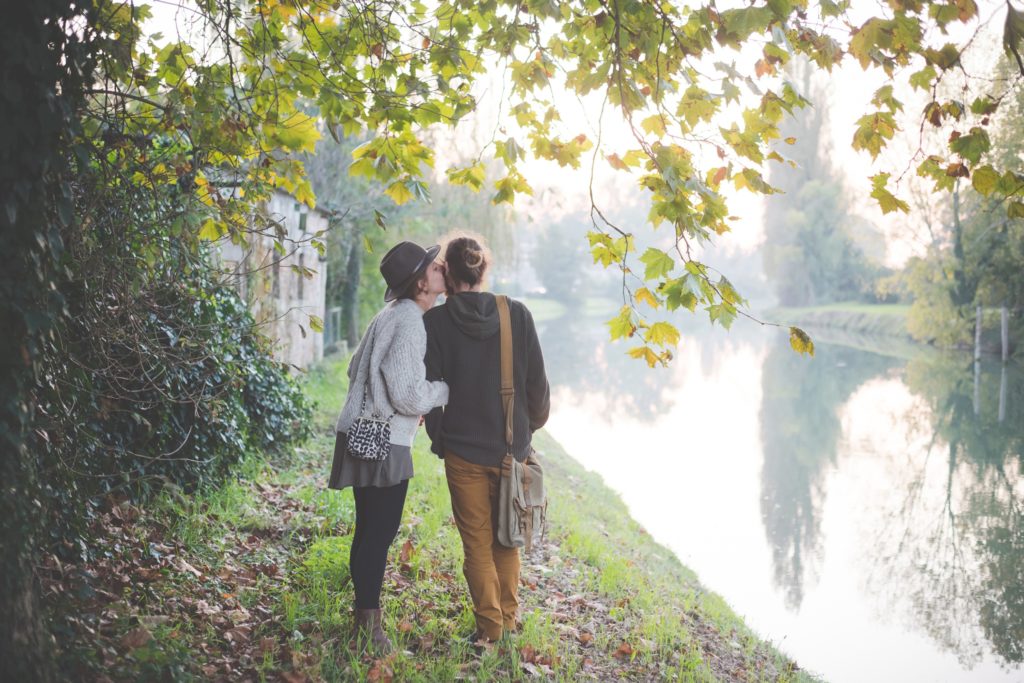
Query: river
[863, 510]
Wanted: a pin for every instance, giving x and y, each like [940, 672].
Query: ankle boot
[369, 631]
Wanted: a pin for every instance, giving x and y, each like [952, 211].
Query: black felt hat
[400, 265]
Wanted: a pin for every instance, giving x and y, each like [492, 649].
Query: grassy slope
[251, 581]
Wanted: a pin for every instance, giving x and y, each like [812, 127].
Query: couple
[442, 362]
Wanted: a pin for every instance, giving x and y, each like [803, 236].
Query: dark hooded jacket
[464, 350]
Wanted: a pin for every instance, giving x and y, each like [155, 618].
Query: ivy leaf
[657, 262]
[800, 341]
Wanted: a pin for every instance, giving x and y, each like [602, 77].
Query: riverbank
[878, 320]
[249, 581]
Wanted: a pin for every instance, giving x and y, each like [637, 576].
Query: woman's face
[435, 279]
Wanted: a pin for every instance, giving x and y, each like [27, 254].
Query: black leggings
[378, 516]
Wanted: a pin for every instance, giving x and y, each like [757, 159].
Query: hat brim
[393, 293]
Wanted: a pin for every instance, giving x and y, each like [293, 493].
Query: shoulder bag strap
[508, 392]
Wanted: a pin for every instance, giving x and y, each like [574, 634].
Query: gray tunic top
[348, 471]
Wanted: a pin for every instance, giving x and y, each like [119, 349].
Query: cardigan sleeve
[405, 373]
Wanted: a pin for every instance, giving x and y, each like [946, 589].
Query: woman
[387, 381]
[463, 349]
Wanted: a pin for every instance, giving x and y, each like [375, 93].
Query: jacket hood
[474, 313]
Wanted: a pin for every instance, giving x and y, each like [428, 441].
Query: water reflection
[954, 545]
[577, 356]
[800, 430]
[867, 508]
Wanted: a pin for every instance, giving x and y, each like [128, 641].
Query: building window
[302, 223]
[275, 278]
[302, 273]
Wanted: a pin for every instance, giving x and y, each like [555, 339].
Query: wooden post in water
[1005, 329]
[977, 360]
[1002, 394]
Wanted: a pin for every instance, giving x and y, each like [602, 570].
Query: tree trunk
[350, 294]
[45, 64]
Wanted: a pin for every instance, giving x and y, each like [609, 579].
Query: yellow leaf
[398, 192]
[297, 133]
[644, 295]
[663, 334]
[800, 341]
[644, 352]
[654, 124]
[211, 230]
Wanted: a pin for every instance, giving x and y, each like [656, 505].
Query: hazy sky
[564, 190]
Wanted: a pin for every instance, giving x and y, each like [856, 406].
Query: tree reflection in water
[578, 356]
[800, 431]
[954, 544]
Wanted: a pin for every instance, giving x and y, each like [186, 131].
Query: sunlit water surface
[862, 511]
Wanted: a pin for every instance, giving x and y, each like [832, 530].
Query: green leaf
[984, 180]
[622, 325]
[657, 262]
[316, 323]
[1013, 33]
[1015, 210]
[923, 79]
[886, 200]
[800, 341]
[972, 145]
[473, 176]
[874, 131]
[298, 133]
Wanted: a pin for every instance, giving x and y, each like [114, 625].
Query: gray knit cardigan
[390, 358]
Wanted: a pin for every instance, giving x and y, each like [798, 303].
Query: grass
[250, 580]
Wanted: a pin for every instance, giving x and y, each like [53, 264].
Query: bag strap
[508, 391]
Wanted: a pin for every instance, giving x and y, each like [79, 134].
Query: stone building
[282, 298]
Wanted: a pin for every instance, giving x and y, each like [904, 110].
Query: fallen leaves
[136, 638]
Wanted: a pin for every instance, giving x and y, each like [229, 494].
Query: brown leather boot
[369, 631]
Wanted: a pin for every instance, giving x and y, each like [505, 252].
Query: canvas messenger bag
[522, 505]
